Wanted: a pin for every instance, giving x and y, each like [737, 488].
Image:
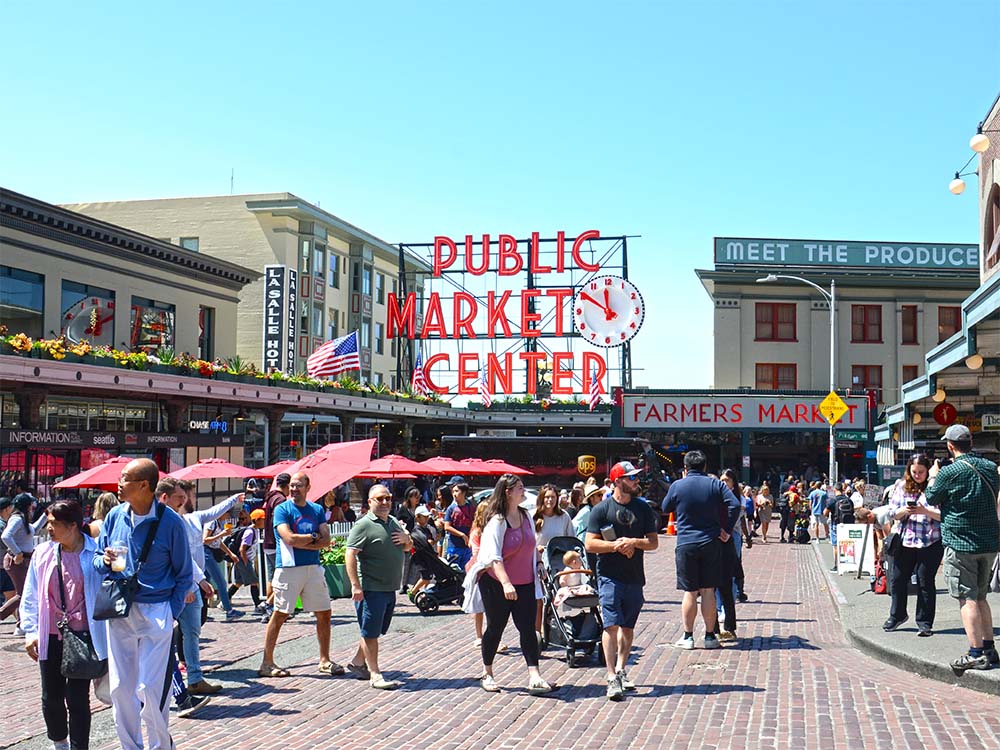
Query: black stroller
[447, 585]
[577, 624]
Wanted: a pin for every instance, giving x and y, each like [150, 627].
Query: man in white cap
[966, 492]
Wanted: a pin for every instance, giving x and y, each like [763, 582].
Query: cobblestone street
[791, 682]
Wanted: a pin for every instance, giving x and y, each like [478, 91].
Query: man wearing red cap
[619, 530]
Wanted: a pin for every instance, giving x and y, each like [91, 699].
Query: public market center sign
[647, 411]
[768, 252]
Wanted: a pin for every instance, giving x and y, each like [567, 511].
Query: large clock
[91, 319]
[608, 311]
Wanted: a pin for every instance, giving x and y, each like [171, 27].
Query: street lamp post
[830, 297]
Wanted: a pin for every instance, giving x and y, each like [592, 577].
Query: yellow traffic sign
[832, 407]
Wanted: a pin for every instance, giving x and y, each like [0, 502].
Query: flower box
[337, 582]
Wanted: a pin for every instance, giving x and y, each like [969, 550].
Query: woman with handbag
[60, 632]
[916, 546]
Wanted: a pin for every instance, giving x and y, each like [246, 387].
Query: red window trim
[916, 326]
[775, 386]
[774, 322]
[864, 325]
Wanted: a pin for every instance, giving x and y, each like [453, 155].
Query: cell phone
[608, 533]
[911, 503]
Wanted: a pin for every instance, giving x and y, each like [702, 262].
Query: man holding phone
[620, 528]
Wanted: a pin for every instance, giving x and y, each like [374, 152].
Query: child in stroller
[572, 619]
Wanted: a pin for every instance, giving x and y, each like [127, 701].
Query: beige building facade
[323, 275]
[894, 302]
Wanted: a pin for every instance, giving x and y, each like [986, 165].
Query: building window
[395, 288]
[910, 372]
[866, 324]
[319, 261]
[392, 348]
[378, 378]
[334, 271]
[332, 324]
[206, 333]
[22, 301]
[867, 376]
[317, 321]
[775, 321]
[366, 280]
[379, 339]
[190, 243]
[380, 288]
[152, 325]
[366, 334]
[304, 257]
[356, 277]
[949, 322]
[88, 313]
[908, 334]
[776, 377]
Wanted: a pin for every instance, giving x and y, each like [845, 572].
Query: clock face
[608, 311]
[91, 319]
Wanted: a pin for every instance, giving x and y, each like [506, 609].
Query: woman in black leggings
[505, 577]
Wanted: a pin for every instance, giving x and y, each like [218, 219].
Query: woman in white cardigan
[503, 581]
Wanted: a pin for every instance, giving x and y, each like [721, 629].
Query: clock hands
[609, 314]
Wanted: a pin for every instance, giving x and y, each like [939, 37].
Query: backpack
[878, 582]
[845, 509]
[232, 541]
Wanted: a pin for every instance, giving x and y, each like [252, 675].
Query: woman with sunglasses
[919, 526]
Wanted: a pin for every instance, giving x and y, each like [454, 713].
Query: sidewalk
[862, 613]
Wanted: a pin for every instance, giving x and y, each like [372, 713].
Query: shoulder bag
[115, 597]
[79, 659]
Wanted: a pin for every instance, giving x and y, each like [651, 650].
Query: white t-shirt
[858, 499]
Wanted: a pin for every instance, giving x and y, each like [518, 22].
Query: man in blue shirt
[458, 523]
[139, 645]
[301, 532]
[817, 504]
[706, 512]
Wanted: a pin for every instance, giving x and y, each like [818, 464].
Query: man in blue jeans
[620, 528]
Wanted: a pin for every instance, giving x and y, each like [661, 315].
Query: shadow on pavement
[242, 711]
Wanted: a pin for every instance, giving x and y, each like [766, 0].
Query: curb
[973, 680]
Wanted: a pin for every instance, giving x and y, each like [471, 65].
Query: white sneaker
[686, 643]
[18, 633]
[711, 642]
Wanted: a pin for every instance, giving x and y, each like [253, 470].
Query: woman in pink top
[503, 582]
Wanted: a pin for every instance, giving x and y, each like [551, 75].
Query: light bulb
[979, 143]
[957, 186]
[939, 395]
[974, 361]
[917, 419]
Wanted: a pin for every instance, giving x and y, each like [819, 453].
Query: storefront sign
[274, 313]
[646, 411]
[944, 414]
[760, 252]
[607, 311]
[852, 435]
[991, 422]
[586, 465]
[855, 548]
[290, 339]
[215, 425]
[110, 440]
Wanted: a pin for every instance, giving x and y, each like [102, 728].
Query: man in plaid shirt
[966, 491]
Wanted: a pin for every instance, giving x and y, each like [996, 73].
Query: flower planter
[337, 582]
[168, 369]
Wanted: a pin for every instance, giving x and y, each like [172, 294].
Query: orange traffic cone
[671, 526]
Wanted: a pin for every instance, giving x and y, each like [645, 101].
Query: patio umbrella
[393, 466]
[214, 468]
[502, 467]
[333, 464]
[477, 467]
[102, 477]
[274, 469]
[380, 475]
[442, 466]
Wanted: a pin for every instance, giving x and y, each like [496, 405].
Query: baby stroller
[448, 579]
[577, 624]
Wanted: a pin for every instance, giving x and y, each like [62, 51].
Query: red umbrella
[477, 467]
[274, 469]
[393, 466]
[380, 475]
[333, 464]
[103, 477]
[442, 466]
[502, 467]
[214, 468]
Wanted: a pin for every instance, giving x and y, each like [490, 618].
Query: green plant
[167, 356]
[335, 554]
[236, 365]
[349, 384]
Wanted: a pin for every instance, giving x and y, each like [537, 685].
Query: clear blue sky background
[678, 122]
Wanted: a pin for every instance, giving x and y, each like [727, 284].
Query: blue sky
[677, 122]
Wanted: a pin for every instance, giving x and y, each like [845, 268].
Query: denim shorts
[375, 612]
[620, 602]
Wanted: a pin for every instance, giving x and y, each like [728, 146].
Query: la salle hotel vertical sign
[279, 305]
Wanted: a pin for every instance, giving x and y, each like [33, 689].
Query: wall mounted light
[957, 186]
[979, 142]
[974, 361]
[939, 395]
[917, 419]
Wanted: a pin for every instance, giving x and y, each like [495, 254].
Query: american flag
[334, 357]
[595, 392]
[484, 389]
[419, 382]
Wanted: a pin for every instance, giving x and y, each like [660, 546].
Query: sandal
[487, 683]
[380, 683]
[272, 670]
[332, 668]
[540, 687]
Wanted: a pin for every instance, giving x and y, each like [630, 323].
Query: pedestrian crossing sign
[832, 407]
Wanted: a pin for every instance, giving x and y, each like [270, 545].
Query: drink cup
[121, 557]
[228, 526]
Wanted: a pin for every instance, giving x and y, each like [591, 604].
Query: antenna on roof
[232, 174]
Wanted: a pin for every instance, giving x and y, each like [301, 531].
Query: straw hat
[590, 488]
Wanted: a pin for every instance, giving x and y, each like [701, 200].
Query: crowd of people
[118, 597]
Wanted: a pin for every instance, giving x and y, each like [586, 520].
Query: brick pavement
[792, 682]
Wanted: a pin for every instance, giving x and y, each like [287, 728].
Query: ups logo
[586, 465]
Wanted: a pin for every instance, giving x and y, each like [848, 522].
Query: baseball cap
[422, 510]
[283, 478]
[623, 469]
[255, 514]
[456, 480]
[959, 433]
[5, 502]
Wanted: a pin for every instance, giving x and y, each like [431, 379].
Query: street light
[830, 297]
